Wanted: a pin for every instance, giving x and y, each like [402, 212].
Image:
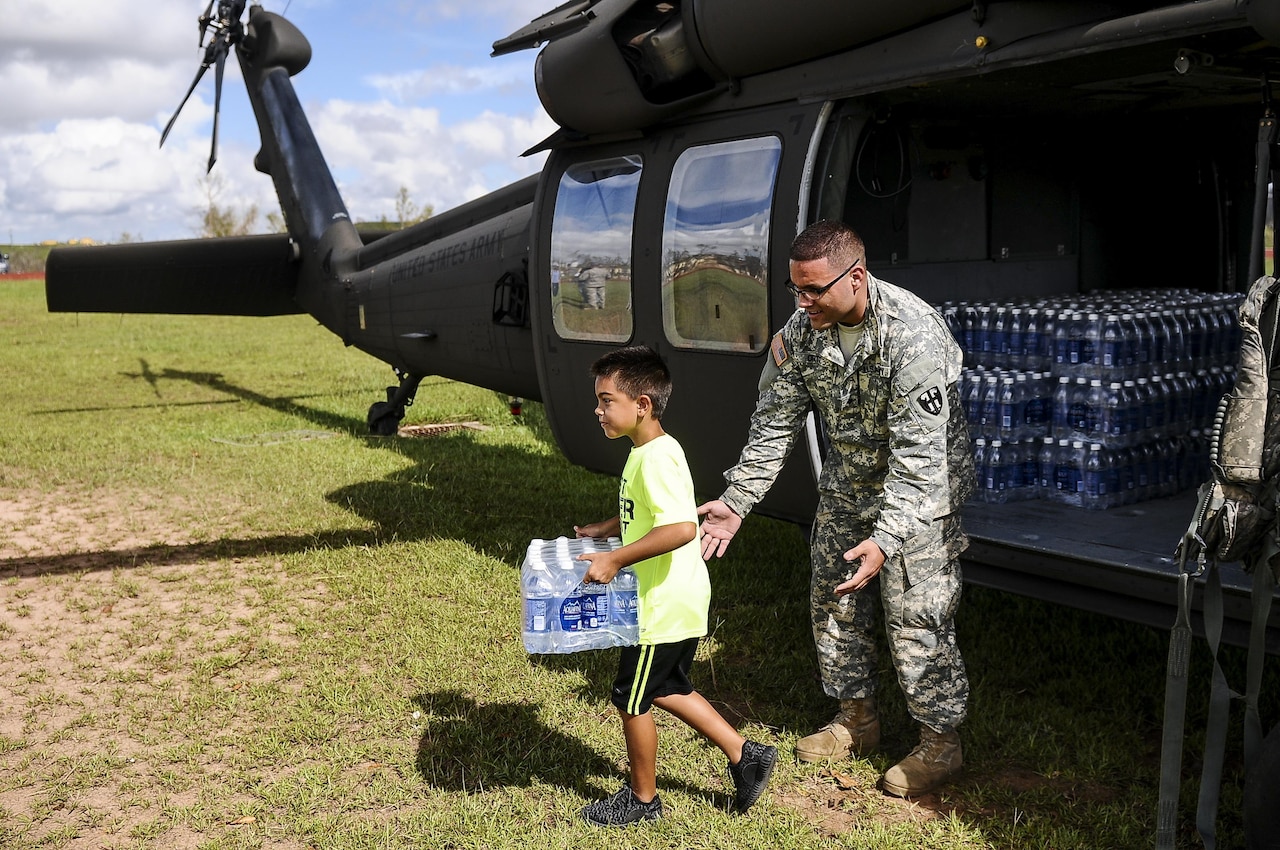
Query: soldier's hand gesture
[718, 527]
[872, 559]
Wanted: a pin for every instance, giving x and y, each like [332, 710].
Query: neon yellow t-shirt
[674, 589]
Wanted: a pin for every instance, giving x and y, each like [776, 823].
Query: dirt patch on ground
[835, 801]
[90, 588]
[32, 526]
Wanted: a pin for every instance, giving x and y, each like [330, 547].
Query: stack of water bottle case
[561, 613]
[1096, 400]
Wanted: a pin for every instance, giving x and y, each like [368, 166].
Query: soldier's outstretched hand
[719, 525]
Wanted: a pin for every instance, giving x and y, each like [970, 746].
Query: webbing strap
[1263, 587]
[1215, 739]
[1175, 708]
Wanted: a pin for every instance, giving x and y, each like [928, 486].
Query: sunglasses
[813, 293]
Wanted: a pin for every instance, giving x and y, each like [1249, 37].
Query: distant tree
[126, 237]
[219, 220]
[275, 222]
[382, 226]
[407, 211]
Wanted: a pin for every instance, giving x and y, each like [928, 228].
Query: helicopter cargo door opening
[1069, 194]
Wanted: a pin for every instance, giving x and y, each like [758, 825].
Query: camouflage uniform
[897, 471]
[591, 283]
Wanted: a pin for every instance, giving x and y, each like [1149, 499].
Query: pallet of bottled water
[1094, 400]
[561, 613]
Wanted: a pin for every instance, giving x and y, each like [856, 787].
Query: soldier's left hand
[871, 559]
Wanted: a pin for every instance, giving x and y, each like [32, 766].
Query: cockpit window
[715, 246]
[591, 238]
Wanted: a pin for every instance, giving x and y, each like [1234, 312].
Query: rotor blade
[217, 105]
[194, 83]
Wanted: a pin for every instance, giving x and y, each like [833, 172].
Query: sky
[398, 92]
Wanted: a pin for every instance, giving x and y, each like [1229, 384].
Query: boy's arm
[604, 528]
[659, 541]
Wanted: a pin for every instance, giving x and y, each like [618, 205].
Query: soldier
[591, 283]
[879, 367]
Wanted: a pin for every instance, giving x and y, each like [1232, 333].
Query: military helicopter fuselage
[983, 151]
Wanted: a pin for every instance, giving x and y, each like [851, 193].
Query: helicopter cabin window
[715, 246]
[591, 237]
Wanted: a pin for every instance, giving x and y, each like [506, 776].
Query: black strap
[1215, 739]
[1263, 587]
[1222, 694]
[1175, 708]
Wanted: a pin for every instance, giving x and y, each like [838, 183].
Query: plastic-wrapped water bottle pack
[561, 613]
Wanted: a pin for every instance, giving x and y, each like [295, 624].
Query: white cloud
[89, 86]
[391, 146]
[448, 79]
[75, 58]
[99, 178]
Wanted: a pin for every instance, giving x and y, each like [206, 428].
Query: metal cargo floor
[1117, 562]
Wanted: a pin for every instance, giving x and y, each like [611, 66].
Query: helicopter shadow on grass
[454, 488]
[470, 747]
[440, 494]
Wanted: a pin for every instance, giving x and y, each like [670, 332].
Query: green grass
[232, 634]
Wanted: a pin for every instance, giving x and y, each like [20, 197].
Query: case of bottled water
[1137, 372]
[561, 613]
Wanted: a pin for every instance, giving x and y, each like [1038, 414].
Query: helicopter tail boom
[229, 276]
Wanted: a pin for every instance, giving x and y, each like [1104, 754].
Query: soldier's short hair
[637, 370]
[829, 240]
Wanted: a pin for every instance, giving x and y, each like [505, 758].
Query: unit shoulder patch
[932, 400]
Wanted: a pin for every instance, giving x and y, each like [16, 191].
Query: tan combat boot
[937, 757]
[855, 730]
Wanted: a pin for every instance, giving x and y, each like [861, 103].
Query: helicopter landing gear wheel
[383, 419]
[384, 416]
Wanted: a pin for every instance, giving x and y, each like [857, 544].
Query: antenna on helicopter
[227, 32]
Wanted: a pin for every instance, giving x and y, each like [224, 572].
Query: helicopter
[985, 150]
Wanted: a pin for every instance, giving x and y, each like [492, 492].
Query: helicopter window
[591, 250]
[715, 245]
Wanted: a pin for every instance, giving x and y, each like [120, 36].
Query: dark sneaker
[622, 809]
[751, 774]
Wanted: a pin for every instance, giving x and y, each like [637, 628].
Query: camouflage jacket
[898, 439]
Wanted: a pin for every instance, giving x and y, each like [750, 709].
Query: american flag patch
[779, 350]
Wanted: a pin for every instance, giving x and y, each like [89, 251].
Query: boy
[657, 521]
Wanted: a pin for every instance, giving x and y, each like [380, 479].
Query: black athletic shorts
[647, 672]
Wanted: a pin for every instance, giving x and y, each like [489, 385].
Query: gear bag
[1236, 509]
[1234, 520]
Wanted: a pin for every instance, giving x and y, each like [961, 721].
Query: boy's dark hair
[637, 370]
[827, 240]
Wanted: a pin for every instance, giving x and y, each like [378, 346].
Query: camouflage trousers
[593, 297]
[917, 591]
